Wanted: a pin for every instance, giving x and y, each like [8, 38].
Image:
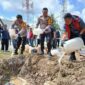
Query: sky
[10, 8]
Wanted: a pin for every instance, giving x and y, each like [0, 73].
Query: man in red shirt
[74, 27]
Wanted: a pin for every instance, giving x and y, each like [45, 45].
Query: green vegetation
[55, 23]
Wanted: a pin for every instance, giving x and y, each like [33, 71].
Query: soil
[39, 70]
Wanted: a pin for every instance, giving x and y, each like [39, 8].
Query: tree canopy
[55, 23]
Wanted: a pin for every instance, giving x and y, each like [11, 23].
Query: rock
[49, 83]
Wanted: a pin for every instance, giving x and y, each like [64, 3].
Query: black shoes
[15, 53]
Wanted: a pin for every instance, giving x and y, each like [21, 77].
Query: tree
[55, 24]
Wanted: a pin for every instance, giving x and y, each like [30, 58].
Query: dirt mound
[10, 67]
[39, 70]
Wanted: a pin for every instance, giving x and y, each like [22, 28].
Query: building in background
[7, 22]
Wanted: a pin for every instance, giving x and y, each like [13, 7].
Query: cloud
[10, 5]
[70, 6]
[13, 18]
[76, 13]
[1, 17]
[79, 13]
[83, 14]
[6, 5]
[54, 6]
[81, 1]
[7, 18]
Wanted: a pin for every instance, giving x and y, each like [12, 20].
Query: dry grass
[5, 55]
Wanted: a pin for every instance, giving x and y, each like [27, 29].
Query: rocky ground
[38, 70]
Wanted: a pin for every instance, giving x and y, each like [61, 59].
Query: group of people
[74, 27]
[48, 33]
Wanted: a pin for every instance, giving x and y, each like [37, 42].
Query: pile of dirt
[39, 70]
[10, 67]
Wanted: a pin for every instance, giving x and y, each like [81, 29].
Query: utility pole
[27, 5]
[64, 4]
[64, 7]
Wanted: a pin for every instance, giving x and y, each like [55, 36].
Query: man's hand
[82, 31]
[64, 36]
[47, 29]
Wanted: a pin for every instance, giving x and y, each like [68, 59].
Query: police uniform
[44, 22]
[22, 32]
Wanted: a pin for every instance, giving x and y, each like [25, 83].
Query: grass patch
[4, 55]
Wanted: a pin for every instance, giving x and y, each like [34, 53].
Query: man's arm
[82, 25]
[82, 31]
[64, 34]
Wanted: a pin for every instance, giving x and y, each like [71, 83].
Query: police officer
[45, 23]
[22, 33]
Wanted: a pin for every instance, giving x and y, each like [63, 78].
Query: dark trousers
[4, 44]
[58, 42]
[54, 43]
[38, 42]
[14, 41]
[21, 41]
[83, 37]
[48, 40]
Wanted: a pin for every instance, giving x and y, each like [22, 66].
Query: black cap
[19, 16]
[67, 15]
